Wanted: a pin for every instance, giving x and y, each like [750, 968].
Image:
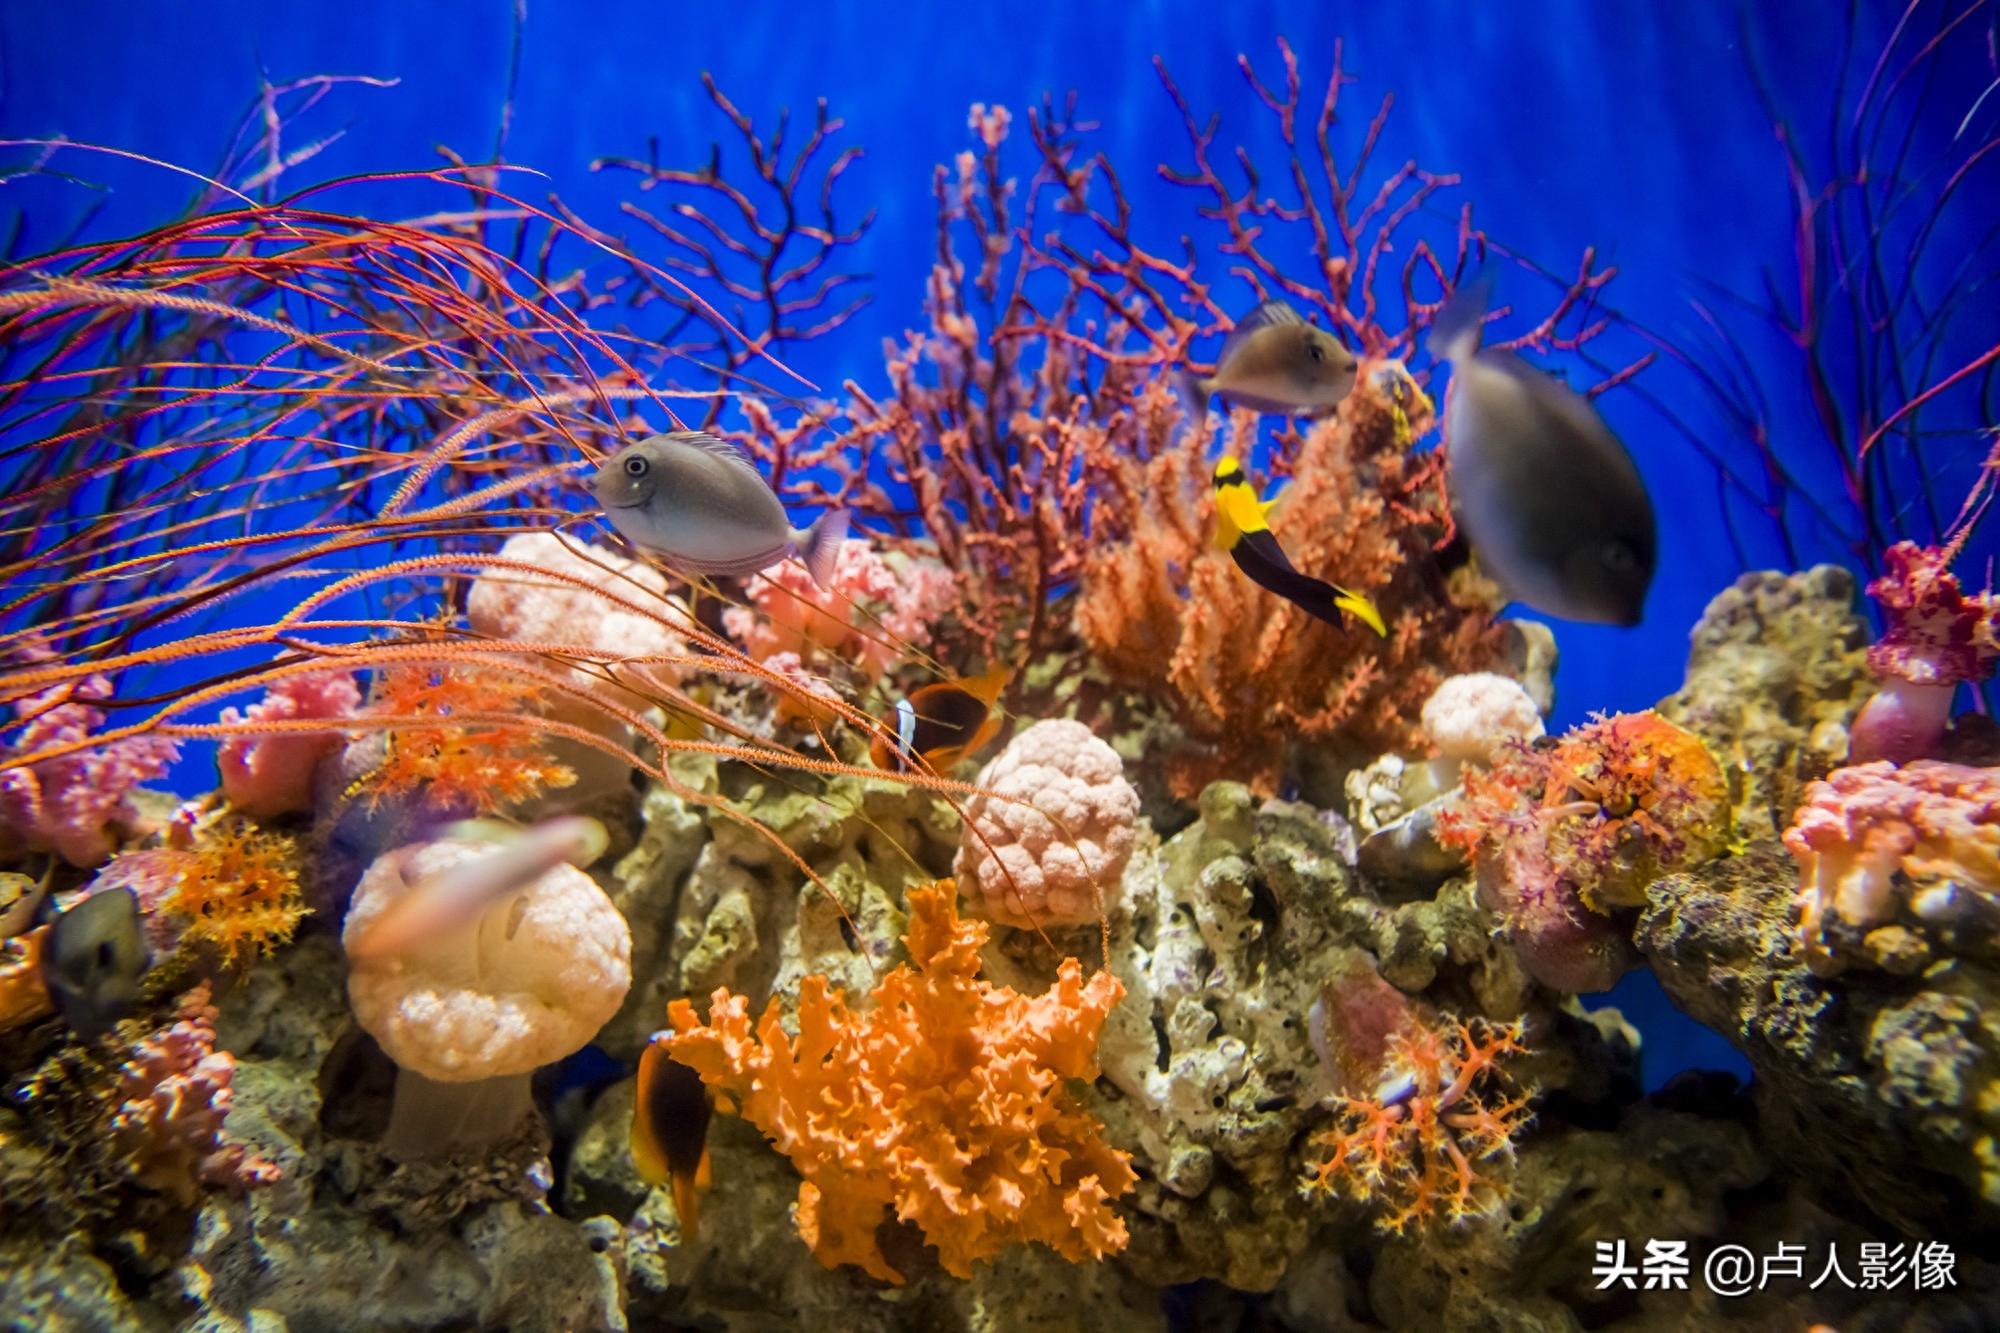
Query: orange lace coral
[460, 763]
[946, 1102]
[1436, 1112]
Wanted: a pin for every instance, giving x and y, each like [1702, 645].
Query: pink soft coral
[1047, 838]
[1871, 836]
[264, 776]
[1936, 638]
[946, 1103]
[867, 614]
[175, 1095]
[73, 805]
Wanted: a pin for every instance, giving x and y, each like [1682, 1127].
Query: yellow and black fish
[943, 723]
[1240, 530]
[670, 1119]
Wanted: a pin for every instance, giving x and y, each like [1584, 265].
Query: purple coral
[70, 805]
[273, 775]
[175, 1096]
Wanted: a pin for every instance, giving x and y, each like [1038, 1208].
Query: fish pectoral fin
[703, 1173]
[1361, 609]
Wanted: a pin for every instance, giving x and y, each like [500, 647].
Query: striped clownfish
[1240, 530]
[941, 724]
[670, 1118]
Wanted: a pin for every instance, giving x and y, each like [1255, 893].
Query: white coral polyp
[1469, 717]
[524, 984]
[1046, 841]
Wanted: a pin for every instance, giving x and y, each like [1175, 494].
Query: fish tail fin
[1361, 609]
[820, 546]
[1455, 329]
[687, 1205]
[1196, 390]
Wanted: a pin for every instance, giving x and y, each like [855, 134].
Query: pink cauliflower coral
[174, 1094]
[1046, 841]
[868, 610]
[272, 775]
[1936, 638]
[510, 604]
[1872, 834]
[73, 805]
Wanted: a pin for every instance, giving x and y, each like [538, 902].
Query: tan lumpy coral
[1046, 841]
[519, 986]
[946, 1103]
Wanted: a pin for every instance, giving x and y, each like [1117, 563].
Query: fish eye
[1620, 558]
[635, 466]
[1314, 350]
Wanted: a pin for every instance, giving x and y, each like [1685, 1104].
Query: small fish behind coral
[1552, 504]
[94, 958]
[942, 723]
[1240, 529]
[701, 502]
[1273, 361]
[670, 1131]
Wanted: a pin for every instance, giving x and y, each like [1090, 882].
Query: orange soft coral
[460, 764]
[237, 888]
[1414, 1145]
[946, 1102]
[1243, 670]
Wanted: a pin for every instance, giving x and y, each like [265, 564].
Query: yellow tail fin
[1362, 609]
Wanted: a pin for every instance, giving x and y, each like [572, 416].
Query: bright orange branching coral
[460, 763]
[1242, 669]
[1438, 1112]
[221, 880]
[946, 1102]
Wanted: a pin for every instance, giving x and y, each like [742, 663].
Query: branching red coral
[945, 1103]
[1414, 1147]
[458, 765]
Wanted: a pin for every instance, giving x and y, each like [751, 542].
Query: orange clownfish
[943, 723]
[1240, 530]
[670, 1119]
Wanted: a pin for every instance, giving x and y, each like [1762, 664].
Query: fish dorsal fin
[1265, 315]
[987, 685]
[727, 450]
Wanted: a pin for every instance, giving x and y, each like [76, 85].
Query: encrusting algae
[945, 1103]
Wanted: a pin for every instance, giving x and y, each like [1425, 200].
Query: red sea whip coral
[1936, 638]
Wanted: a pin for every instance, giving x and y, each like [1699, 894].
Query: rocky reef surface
[1871, 1120]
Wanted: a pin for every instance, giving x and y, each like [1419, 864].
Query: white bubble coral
[512, 604]
[1054, 848]
[1470, 717]
[468, 1013]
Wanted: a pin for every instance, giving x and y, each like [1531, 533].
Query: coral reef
[1047, 836]
[945, 1103]
[1568, 832]
[266, 776]
[77, 805]
[1248, 675]
[174, 1095]
[235, 888]
[1878, 1097]
[1875, 843]
[456, 739]
[1414, 1143]
[1776, 672]
[1935, 639]
[874, 613]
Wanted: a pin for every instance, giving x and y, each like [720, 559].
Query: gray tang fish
[1548, 498]
[1273, 361]
[93, 959]
[702, 503]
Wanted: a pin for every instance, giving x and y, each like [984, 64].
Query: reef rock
[1876, 1091]
[1777, 670]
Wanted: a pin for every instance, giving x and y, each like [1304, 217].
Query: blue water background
[1623, 124]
